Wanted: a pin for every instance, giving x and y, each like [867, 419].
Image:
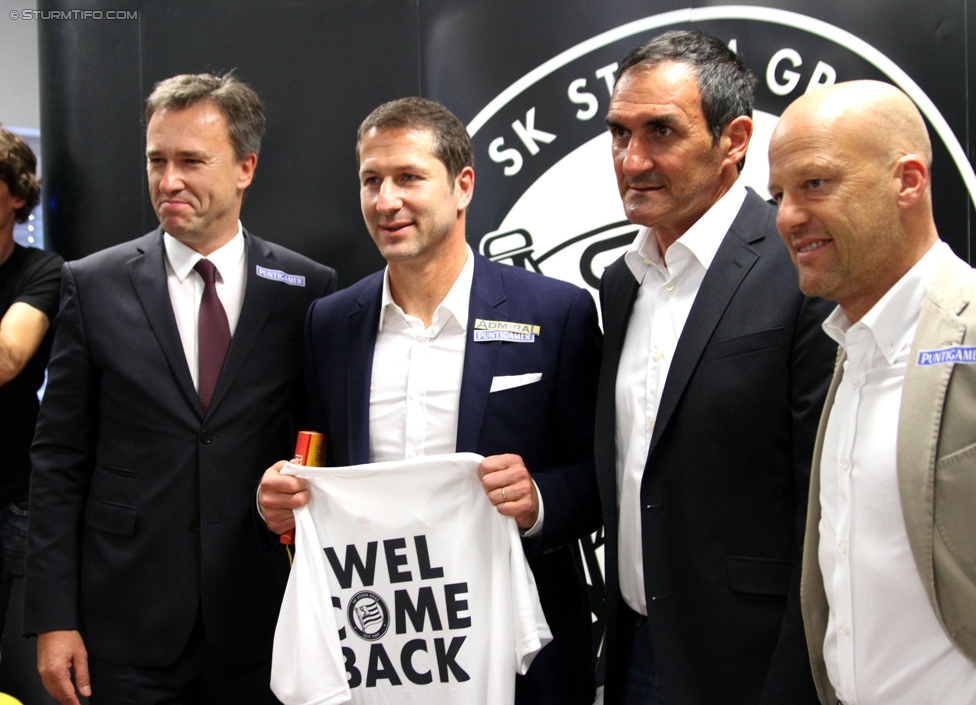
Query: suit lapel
[486, 301]
[733, 261]
[147, 271]
[621, 292]
[364, 320]
[260, 295]
[920, 418]
[618, 291]
[813, 596]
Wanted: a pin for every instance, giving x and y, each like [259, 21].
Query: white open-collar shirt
[668, 286]
[884, 645]
[415, 387]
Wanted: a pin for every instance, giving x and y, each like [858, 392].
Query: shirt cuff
[257, 503]
[536, 528]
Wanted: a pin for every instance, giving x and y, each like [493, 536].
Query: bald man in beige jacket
[889, 574]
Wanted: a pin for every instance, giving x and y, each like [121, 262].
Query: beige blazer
[936, 472]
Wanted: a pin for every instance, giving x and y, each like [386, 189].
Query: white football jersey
[407, 587]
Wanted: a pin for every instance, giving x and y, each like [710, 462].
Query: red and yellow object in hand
[309, 451]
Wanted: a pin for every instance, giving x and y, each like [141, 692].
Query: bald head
[879, 118]
[849, 165]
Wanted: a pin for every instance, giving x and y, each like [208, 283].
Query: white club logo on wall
[549, 199]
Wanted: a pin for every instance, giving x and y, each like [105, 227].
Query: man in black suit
[713, 377]
[173, 383]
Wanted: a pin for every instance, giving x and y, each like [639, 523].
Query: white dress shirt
[884, 645]
[186, 288]
[668, 287]
[415, 387]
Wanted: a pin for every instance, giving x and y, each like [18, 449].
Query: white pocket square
[510, 381]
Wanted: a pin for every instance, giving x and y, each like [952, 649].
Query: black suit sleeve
[302, 413]
[789, 681]
[568, 488]
[326, 283]
[62, 459]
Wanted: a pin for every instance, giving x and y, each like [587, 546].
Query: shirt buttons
[842, 547]
[855, 383]
[669, 286]
[844, 629]
[845, 465]
[658, 354]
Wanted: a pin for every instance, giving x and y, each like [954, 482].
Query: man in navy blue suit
[432, 356]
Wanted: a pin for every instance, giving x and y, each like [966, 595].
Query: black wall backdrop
[529, 77]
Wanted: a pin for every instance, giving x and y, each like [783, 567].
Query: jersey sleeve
[531, 629]
[307, 632]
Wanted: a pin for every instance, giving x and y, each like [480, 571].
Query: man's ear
[738, 133]
[464, 185]
[246, 175]
[913, 176]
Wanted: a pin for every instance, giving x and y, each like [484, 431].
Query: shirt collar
[455, 304]
[182, 258]
[887, 321]
[701, 240]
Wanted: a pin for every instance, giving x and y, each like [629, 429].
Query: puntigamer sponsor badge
[963, 355]
[276, 275]
[510, 331]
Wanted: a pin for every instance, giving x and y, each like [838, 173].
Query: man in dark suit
[171, 388]
[446, 351]
[712, 381]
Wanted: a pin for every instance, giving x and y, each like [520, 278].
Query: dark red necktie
[213, 333]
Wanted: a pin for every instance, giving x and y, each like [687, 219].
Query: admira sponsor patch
[486, 331]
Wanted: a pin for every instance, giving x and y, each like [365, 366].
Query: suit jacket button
[206, 436]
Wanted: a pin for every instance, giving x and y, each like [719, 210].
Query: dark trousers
[199, 677]
[641, 686]
[13, 546]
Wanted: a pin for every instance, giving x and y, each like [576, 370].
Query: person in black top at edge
[30, 282]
